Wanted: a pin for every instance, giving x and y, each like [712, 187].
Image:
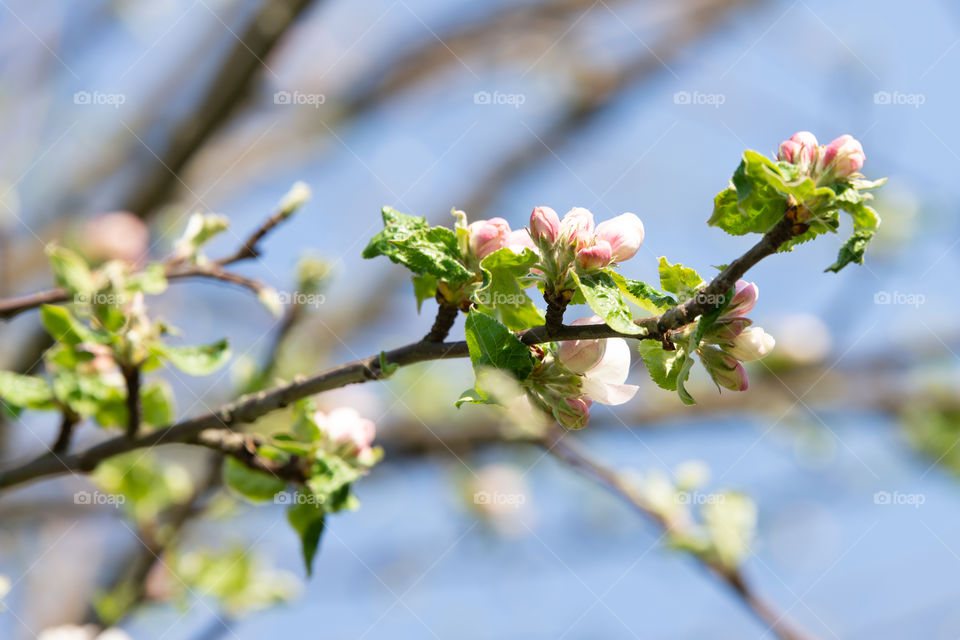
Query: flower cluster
[578, 373]
[841, 159]
[575, 236]
[731, 340]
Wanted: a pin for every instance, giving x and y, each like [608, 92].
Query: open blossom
[603, 380]
[486, 236]
[843, 157]
[346, 426]
[77, 632]
[624, 233]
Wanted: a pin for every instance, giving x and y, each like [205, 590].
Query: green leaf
[664, 366]
[679, 280]
[387, 369]
[305, 426]
[27, 392]
[641, 293]
[156, 400]
[64, 327]
[491, 344]
[70, 270]
[307, 519]
[255, 486]
[604, 297]
[410, 241]
[195, 360]
[852, 250]
[502, 294]
[424, 288]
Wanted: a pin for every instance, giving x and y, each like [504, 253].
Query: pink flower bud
[843, 157]
[624, 233]
[116, 236]
[519, 240]
[724, 369]
[486, 236]
[544, 225]
[580, 356]
[572, 413]
[801, 148]
[577, 227]
[752, 344]
[344, 425]
[744, 298]
[596, 257]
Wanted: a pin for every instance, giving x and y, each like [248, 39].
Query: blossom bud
[577, 227]
[486, 236]
[842, 157]
[596, 257]
[724, 369]
[727, 330]
[519, 240]
[544, 225]
[801, 148]
[744, 298]
[752, 344]
[344, 425]
[572, 413]
[624, 233]
[579, 356]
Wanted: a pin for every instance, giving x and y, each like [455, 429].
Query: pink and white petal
[609, 394]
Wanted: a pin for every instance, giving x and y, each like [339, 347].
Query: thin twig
[68, 421]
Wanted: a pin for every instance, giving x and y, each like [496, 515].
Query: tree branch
[174, 269]
[613, 482]
[248, 409]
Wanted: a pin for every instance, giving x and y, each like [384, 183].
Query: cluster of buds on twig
[487, 236]
[575, 241]
[577, 373]
[731, 340]
[841, 159]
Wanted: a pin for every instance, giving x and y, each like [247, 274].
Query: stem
[446, 316]
[556, 305]
[67, 422]
[131, 376]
